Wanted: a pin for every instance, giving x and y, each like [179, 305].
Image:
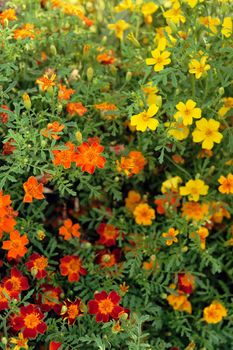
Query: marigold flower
[71, 266]
[202, 233]
[105, 306]
[228, 105]
[195, 211]
[134, 163]
[175, 14]
[20, 342]
[106, 58]
[105, 106]
[68, 230]
[16, 282]
[32, 189]
[171, 184]
[132, 200]
[210, 22]
[71, 310]
[207, 132]
[64, 93]
[54, 345]
[119, 27]
[8, 14]
[108, 234]
[37, 264]
[180, 302]
[159, 59]
[48, 298]
[171, 236]
[46, 82]
[148, 9]
[186, 282]
[187, 111]
[226, 184]
[144, 120]
[219, 212]
[76, 108]
[106, 258]
[124, 288]
[214, 313]
[227, 27]
[52, 130]
[29, 321]
[199, 67]
[16, 245]
[26, 31]
[4, 116]
[8, 148]
[64, 157]
[178, 130]
[89, 157]
[6, 295]
[144, 214]
[124, 5]
[169, 201]
[194, 189]
[164, 33]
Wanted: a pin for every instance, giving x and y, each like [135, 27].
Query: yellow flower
[124, 5]
[207, 132]
[151, 94]
[227, 27]
[171, 184]
[159, 59]
[191, 3]
[228, 105]
[171, 236]
[180, 302]
[198, 67]
[187, 111]
[214, 313]
[175, 14]
[210, 23]
[144, 214]
[148, 9]
[119, 27]
[178, 130]
[20, 342]
[144, 120]
[194, 189]
[165, 34]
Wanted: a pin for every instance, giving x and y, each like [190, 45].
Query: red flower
[8, 148]
[5, 295]
[49, 298]
[105, 306]
[71, 266]
[71, 310]
[54, 345]
[29, 321]
[186, 282]
[16, 282]
[88, 156]
[36, 264]
[4, 116]
[105, 258]
[108, 234]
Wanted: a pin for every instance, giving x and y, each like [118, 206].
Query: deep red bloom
[4, 292]
[71, 266]
[186, 282]
[16, 282]
[108, 234]
[8, 148]
[106, 258]
[71, 310]
[54, 345]
[48, 298]
[37, 264]
[105, 306]
[4, 116]
[29, 321]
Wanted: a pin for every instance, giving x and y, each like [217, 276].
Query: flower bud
[133, 40]
[63, 309]
[34, 271]
[128, 76]
[27, 101]
[90, 73]
[4, 340]
[53, 50]
[40, 235]
[221, 91]
[184, 249]
[78, 136]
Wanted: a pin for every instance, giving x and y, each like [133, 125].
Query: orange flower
[226, 184]
[106, 58]
[186, 282]
[180, 302]
[219, 212]
[134, 163]
[144, 214]
[106, 258]
[68, 230]
[8, 14]
[32, 190]
[214, 313]
[26, 31]
[4, 116]
[195, 211]
[88, 156]
[64, 157]
[76, 108]
[71, 266]
[105, 106]
[37, 264]
[132, 200]
[5, 202]
[108, 234]
[52, 130]
[64, 93]
[16, 245]
[171, 236]
[46, 82]
[71, 310]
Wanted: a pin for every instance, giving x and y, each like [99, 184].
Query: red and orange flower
[64, 157]
[71, 310]
[71, 266]
[68, 230]
[33, 189]
[108, 234]
[76, 108]
[89, 156]
[37, 264]
[15, 245]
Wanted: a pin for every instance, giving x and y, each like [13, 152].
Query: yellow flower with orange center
[199, 67]
[145, 120]
[119, 27]
[226, 184]
[187, 111]
[171, 236]
[227, 27]
[207, 132]
[46, 82]
[195, 211]
[20, 342]
[175, 14]
[159, 59]
[227, 106]
[210, 22]
[177, 129]
[144, 214]
[194, 189]
[214, 313]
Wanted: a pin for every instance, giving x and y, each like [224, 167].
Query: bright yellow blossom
[151, 94]
[119, 27]
[144, 120]
[198, 67]
[124, 5]
[186, 112]
[214, 313]
[210, 22]
[194, 189]
[228, 105]
[159, 59]
[207, 132]
[178, 130]
[171, 236]
[147, 10]
[165, 34]
[227, 27]
[171, 184]
[175, 14]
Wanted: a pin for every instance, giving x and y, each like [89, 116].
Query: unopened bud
[128, 76]
[90, 73]
[34, 271]
[221, 91]
[63, 309]
[26, 101]
[78, 136]
[184, 249]
[4, 340]
[53, 50]
[133, 40]
[40, 235]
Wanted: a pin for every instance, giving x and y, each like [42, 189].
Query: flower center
[41, 263]
[73, 311]
[110, 232]
[32, 320]
[105, 306]
[209, 132]
[74, 266]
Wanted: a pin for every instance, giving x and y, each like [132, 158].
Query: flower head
[199, 67]
[194, 189]
[32, 189]
[46, 82]
[52, 130]
[105, 306]
[71, 266]
[186, 282]
[16, 245]
[108, 234]
[187, 111]
[144, 214]
[132, 164]
[37, 264]
[214, 313]
[64, 157]
[64, 93]
[210, 22]
[89, 156]
[20, 343]
[171, 236]
[68, 230]
[207, 132]
[145, 120]
[119, 27]
[71, 310]
[227, 27]
[226, 184]
[76, 108]
[175, 14]
[159, 59]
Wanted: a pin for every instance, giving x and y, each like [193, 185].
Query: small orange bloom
[226, 184]
[76, 108]
[132, 164]
[132, 200]
[179, 302]
[8, 14]
[52, 130]
[64, 93]
[171, 236]
[144, 214]
[33, 189]
[68, 230]
[16, 245]
[106, 58]
[37, 264]
[89, 156]
[214, 313]
[46, 82]
[64, 157]
[71, 266]
[26, 31]
[105, 106]
[195, 211]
